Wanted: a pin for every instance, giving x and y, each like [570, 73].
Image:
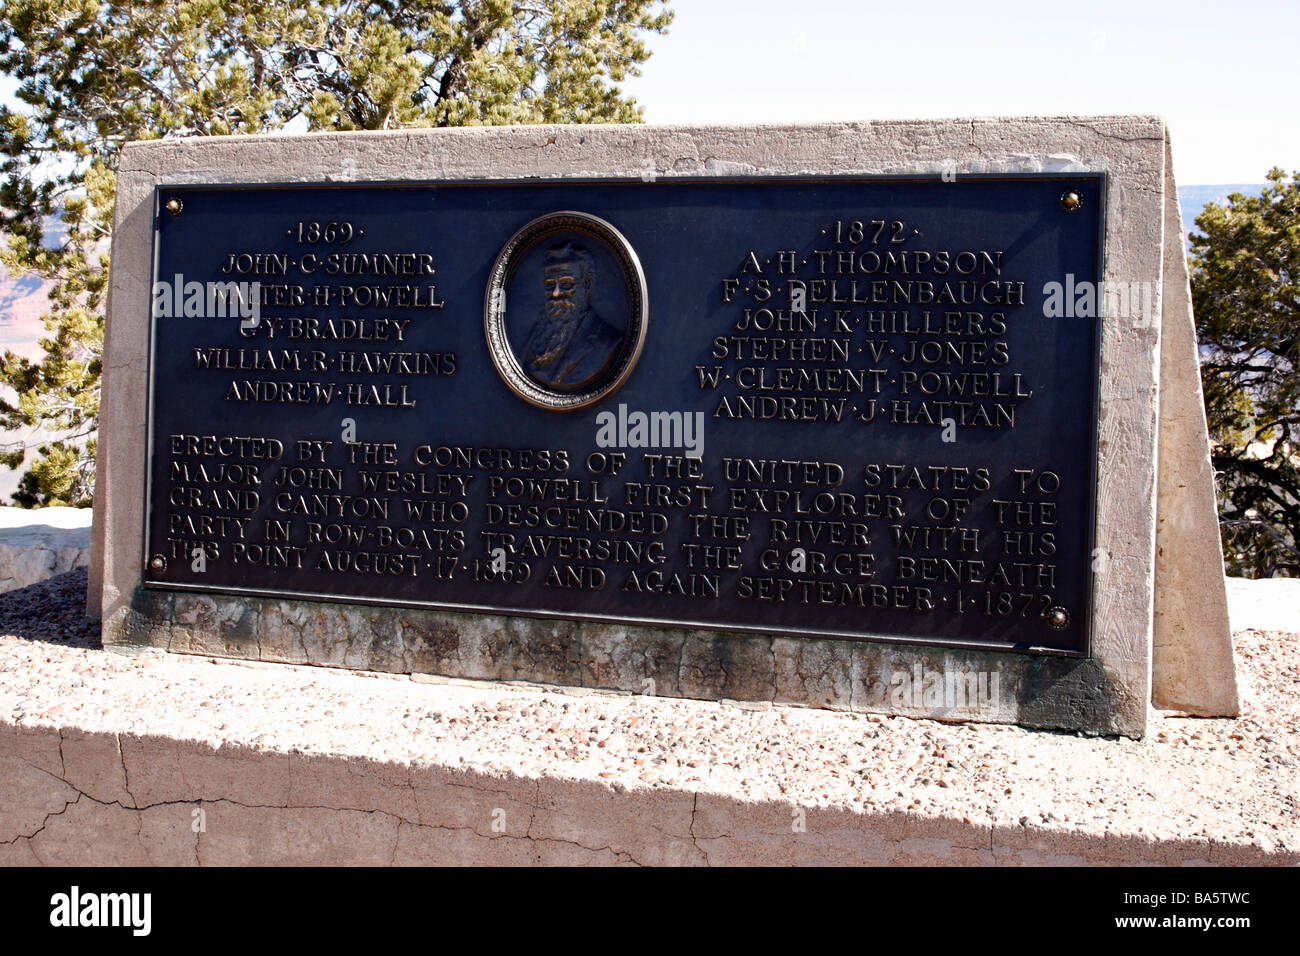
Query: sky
[1226, 76]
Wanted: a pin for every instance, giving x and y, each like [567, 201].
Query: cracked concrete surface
[153, 758]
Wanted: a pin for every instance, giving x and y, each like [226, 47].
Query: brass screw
[1058, 617]
[157, 563]
[1071, 201]
[174, 206]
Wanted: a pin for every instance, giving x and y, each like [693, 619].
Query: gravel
[53, 610]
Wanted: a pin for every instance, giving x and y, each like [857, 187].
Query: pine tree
[1246, 295]
[95, 74]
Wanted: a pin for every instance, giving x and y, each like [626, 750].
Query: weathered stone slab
[1192, 653]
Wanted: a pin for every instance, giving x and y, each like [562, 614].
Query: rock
[39, 543]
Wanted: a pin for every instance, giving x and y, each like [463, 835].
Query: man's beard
[558, 309]
[563, 318]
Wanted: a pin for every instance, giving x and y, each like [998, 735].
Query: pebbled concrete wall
[111, 757]
[105, 799]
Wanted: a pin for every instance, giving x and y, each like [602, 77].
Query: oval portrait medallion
[565, 311]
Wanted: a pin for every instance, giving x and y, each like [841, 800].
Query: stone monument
[899, 416]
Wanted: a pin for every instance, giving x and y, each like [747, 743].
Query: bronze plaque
[859, 408]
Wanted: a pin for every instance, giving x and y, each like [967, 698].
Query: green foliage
[94, 74]
[1246, 295]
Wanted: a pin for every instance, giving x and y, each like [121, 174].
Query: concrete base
[191, 804]
[151, 758]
